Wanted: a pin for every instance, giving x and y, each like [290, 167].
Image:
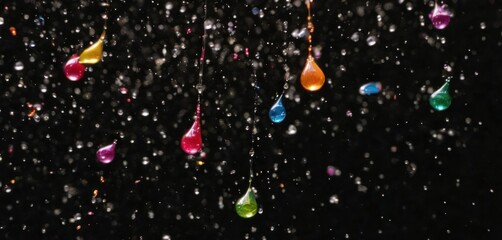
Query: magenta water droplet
[106, 154]
[440, 16]
[73, 69]
[191, 142]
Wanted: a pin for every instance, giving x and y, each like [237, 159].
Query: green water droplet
[246, 206]
[441, 99]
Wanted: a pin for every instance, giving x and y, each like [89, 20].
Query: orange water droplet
[93, 54]
[312, 77]
[32, 112]
[13, 31]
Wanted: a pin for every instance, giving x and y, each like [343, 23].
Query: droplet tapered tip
[312, 78]
[246, 206]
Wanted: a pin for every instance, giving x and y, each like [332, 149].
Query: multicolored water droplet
[440, 16]
[106, 154]
[370, 88]
[312, 77]
[277, 112]
[246, 206]
[93, 53]
[441, 99]
[73, 69]
[191, 142]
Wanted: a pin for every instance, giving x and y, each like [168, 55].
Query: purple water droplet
[440, 16]
[106, 154]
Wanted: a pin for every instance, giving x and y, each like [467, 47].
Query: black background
[407, 171]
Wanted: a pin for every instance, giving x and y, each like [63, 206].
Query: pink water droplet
[106, 154]
[73, 69]
[330, 170]
[202, 54]
[191, 142]
[440, 16]
[10, 149]
[124, 90]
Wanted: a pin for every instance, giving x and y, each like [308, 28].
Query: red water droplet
[74, 70]
[191, 142]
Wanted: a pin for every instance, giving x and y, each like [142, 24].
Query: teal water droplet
[277, 112]
[246, 206]
[441, 99]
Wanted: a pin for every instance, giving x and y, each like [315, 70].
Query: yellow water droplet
[93, 54]
[312, 77]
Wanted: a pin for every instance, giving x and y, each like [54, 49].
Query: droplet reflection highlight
[246, 206]
[277, 112]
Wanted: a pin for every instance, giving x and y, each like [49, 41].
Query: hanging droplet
[277, 112]
[73, 69]
[440, 16]
[93, 54]
[191, 142]
[106, 154]
[246, 206]
[441, 99]
[312, 77]
[370, 88]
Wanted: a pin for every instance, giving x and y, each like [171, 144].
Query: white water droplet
[371, 40]
[291, 130]
[19, 66]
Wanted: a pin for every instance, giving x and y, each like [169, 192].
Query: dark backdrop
[404, 170]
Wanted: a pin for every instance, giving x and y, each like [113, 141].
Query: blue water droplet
[277, 112]
[370, 88]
